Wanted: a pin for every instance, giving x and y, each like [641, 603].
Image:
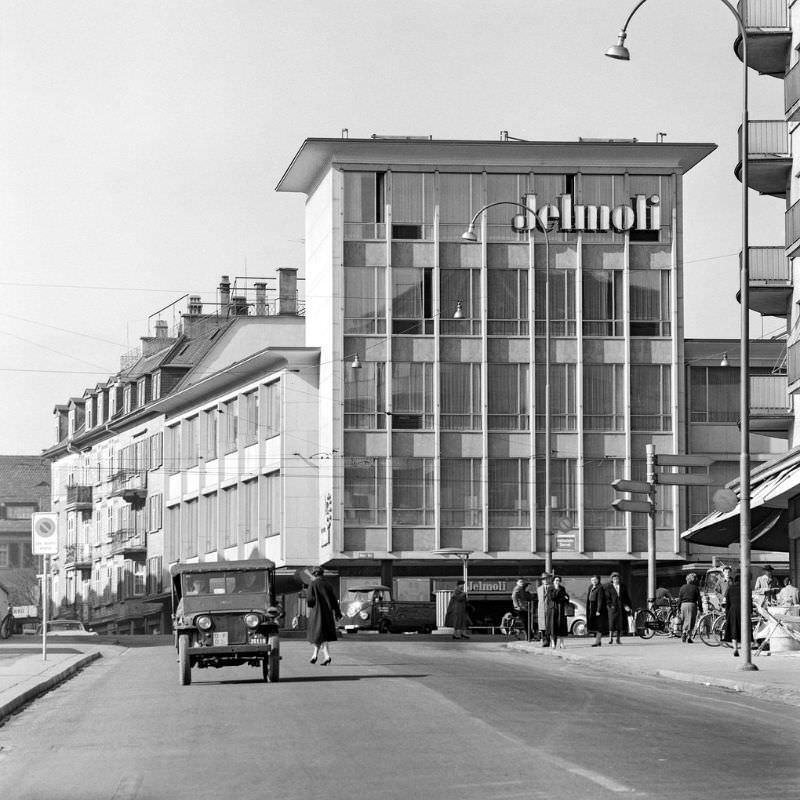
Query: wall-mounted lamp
[724, 361]
[356, 363]
[459, 311]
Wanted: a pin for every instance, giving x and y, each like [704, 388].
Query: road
[393, 718]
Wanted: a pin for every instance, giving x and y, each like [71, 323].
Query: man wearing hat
[618, 605]
[541, 593]
[520, 599]
[766, 586]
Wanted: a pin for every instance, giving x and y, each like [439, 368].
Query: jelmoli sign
[644, 214]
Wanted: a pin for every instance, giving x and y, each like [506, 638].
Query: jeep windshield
[224, 583]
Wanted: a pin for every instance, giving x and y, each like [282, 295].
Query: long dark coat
[556, 611]
[323, 611]
[456, 614]
[615, 604]
[733, 612]
[596, 612]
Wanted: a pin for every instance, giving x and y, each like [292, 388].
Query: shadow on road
[310, 679]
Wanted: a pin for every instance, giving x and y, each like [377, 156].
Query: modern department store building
[437, 439]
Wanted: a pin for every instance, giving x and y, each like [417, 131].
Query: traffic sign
[622, 485]
[45, 533]
[642, 506]
[682, 479]
[670, 460]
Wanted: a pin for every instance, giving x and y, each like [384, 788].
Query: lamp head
[469, 234]
[356, 364]
[724, 361]
[459, 311]
[619, 51]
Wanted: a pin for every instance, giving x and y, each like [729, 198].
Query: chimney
[261, 299]
[224, 295]
[161, 329]
[239, 306]
[287, 290]
[195, 306]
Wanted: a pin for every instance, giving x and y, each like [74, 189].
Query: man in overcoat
[618, 604]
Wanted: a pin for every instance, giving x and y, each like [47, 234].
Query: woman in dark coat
[556, 600]
[733, 614]
[456, 614]
[596, 613]
[323, 612]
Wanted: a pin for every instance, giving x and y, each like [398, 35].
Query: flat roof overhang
[317, 156]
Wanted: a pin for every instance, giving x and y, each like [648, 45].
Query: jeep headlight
[363, 615]
[204, 623]
[252, 620]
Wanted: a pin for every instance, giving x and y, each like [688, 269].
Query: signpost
[648, 488]
[44, 527]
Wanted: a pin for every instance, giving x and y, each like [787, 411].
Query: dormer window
[142, 395]
[89, 414]
[128, 399]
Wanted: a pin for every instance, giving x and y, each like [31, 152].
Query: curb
[777, 694]
[7, 709]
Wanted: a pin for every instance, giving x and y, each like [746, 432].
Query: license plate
[257, 639]
[221, 639]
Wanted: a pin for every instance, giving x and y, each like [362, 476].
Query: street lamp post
[619, 51]
[470, 236]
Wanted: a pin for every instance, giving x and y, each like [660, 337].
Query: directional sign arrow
[642, 506]
[683, 479]
[622, 485]
[670, 460]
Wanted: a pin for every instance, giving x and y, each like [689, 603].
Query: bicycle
[512, 626]
[7, 625]
[664, 620]
[710, 627]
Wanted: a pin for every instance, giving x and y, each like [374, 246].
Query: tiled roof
[24, 478]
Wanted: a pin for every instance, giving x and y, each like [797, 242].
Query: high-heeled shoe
[326, 662]
[312, 660]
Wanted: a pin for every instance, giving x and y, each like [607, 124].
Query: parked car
[576, 617]
[65, 627]
[225, 614]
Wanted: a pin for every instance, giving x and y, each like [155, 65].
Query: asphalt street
[393, 719]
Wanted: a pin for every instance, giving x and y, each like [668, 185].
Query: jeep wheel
[385, 626]
[184, 663]
[271, 664]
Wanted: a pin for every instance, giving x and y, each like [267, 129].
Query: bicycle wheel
[707, 629]
[720, 627]
[662, 619]
[6, 626]
[644, 623]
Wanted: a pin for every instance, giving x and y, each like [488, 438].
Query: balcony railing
[770, 281]
[791, 93]
[128, 540]
[129, 485]
[768, 35]
[769, 156]
[77, 555]
[769, 394]
[792, 220]
[79, 496]
[764, 13]
[769, 264]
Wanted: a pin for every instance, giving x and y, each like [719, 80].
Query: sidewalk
[777, 677]
[24, 675]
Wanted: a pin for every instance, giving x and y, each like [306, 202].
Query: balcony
[769, 37]
[770, 157]
[792, 225]
[78, 556]
[791, 94]
[130, 486]
[128, 541]
[770, 406]
[770, 281]
[78, 498]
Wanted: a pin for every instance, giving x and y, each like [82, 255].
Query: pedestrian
[732, 602]
[689, 599]
[456, 614]
[789, 595]
[556, 601]
[521, 600]
[323, 613]
[596, 613]
[541, 595]
[618, 606]
[765, 587]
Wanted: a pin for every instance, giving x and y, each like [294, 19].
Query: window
[19, 510]
[364, 396]
[650, 397]
[142, 395]
[412, 395]
[604, 397]
[250, 422]
[509, 407]
[602, 303]
[649, 185]
[650, 303]
[412, 205]
[156, 450]
[500, 188]
[412, 293]
[562, 302]
[507, 291]
[365, 300]
[250, 489]
[412, 491]
[272, 409]
[460, 197]
[230, 418]
[155, 505]
[191, 447]
[271, 504]
[174, 449]
[189, 530]
[155, 580]
[460, 400]
[460, 286]
[461, 492]
[714, 394]
[211, 433]
[365, 491]
[598, 493]
[509, 482]
[563, 400]
[5, 560]
[563, 486]
[128, 399]
[155, 386]
[364, 205]
[228, 517]
[208, 528]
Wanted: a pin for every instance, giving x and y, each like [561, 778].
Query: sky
[141, 143]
